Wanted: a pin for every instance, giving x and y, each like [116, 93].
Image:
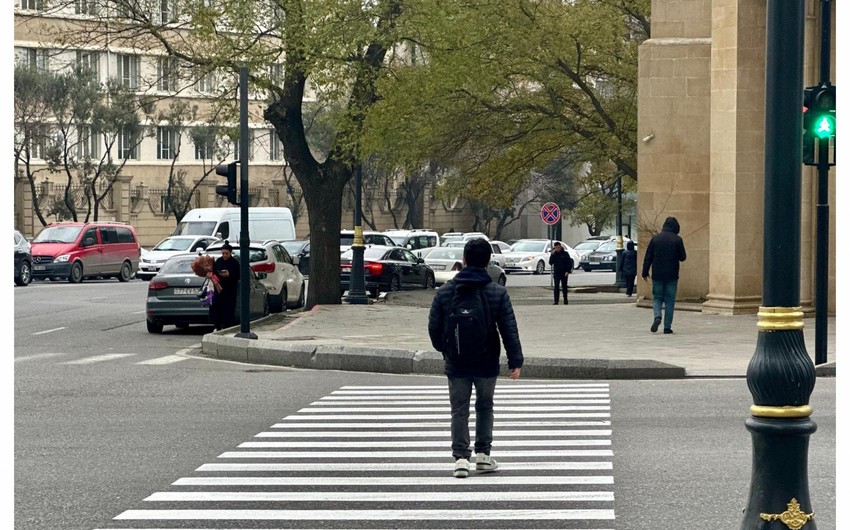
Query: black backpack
[468, 324]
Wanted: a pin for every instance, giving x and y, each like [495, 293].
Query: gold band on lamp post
[358, 236]
[780, 318]
[781, 412]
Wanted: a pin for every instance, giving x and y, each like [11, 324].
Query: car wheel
[76, 275]
[24, 276]
[429, 282]
[154, 326]
[300, 302]
[541, 267]
[395, 284]
[277, 303]
[586, 269]
[181, 325]
[503, 280]
[373, 293]
[126, 272]
[266, 309]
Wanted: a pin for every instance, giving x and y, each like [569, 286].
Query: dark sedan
[299, 249]
[388, 269]
[23, 260]
[604, 257]
[173, 296]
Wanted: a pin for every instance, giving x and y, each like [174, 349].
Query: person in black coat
[629, 269]
[479, 370]
[562, 267]
[225, 276]
[666, 249]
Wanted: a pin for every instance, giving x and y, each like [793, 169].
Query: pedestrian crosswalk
[380, 457]
[103, 358]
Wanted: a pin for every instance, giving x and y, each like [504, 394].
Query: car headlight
[61, 259]
[609, 258]
[528, 258]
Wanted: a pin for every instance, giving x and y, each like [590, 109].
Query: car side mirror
[296, 260]
[87, 242]
[420, 260]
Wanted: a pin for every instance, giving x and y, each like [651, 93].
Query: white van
[414, 239]
[264, 223]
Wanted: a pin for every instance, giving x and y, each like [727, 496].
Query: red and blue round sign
[550, 213]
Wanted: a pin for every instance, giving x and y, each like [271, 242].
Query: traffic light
[228, 190]
[823, 118]
[808, 137]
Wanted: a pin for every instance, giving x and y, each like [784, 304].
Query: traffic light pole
[822, 230]
[244, 238]
[781, 375]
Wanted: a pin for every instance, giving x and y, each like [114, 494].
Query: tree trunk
[323, 195]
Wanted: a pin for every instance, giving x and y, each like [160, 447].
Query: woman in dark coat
[225, 276]
[629, 267]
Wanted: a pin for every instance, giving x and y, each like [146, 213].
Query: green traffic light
[825, 126]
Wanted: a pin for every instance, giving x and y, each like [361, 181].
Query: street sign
[550, 213]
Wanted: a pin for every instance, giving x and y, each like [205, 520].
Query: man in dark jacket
[663, 254]
[479, 370]
[629, 270]
[562, 266]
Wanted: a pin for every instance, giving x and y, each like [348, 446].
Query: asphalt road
[94, 439]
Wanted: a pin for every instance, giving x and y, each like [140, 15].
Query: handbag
[207, 293]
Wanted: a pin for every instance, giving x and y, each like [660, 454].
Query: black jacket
[630, 260]
[561, 262]
[502, 312]
[664, 253]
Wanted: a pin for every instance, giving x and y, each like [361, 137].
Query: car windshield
[587, 245]
[607, 247]
[397, 239]
[174, 244]
[370, 253]
[256, 254]
[293, 247]
[529, 246]
[346, 239]
[445, 253]
[195, 228]
[178, 266]
[58, 234]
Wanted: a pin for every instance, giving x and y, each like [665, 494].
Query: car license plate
[438, 267]
[39, 267]
[183, 290]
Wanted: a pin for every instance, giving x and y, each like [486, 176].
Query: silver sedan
[448, 261]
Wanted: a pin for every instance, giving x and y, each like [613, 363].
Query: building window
[88, 143]
[35, 58]
[86, 7]
[166, 143]
[33, 5]
[166, 69]
[204, 147]
[165, 12]
[127, 145]
[128, 71]
[237, 154]
[89, 61]
[275, 147]
[276, 74]
[206, 83]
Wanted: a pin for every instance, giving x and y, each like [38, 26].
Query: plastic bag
[207, 293]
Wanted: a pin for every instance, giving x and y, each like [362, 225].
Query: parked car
[23, 260]
[604, 257]
[276, 271]
[299, 249]
[151, 260]
[264, 222]
[173, 297]
[533, 255]
[586, 247]
[77, 251]
[446, 262]
[346, 239]
[415, 239]
[388, 269]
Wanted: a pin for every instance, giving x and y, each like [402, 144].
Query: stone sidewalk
[599, 335]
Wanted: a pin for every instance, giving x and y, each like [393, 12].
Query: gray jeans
[460, 392]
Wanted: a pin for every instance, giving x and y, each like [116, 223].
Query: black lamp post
[619, 280]
[781, 375]
[357, 285]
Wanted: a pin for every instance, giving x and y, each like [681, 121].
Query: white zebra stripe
[528, 453]
[446, 409]
[377, 496]
[382, 466]
[422, 443]
[100, 358]
[509, 415]
[435, 424]
[377, 481]
[168, 359]
[446, 396]
[472, 402]
[423, 434]
[443, 388]
[364, 515]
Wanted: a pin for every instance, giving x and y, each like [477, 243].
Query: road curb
[394, 361]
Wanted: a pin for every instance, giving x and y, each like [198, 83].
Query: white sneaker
[485, 463]
[461, 468]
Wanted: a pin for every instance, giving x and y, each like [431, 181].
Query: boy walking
[663, 255]
[465, 315]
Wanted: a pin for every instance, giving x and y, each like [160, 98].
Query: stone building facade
[701, 148]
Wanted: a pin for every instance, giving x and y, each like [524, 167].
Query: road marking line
[100, 358]
[425, 443]
[364, 515]
[319, 455]
[48, 331]
[168, 359]
[138, 312]
[425, 399]
[446, 408]
[509, 415]
[376, 496]
[504, 401]
[422, 434]
[525, 480]
[385, 466]
[435, 424]
[442, 388]
[38, 356]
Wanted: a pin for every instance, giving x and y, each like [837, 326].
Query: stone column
[737, 156]
[121, 198]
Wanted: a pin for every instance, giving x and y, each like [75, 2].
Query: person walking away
[666, 249]
[629, 269]
[562, 267]
[225, 275]
[467, 316]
